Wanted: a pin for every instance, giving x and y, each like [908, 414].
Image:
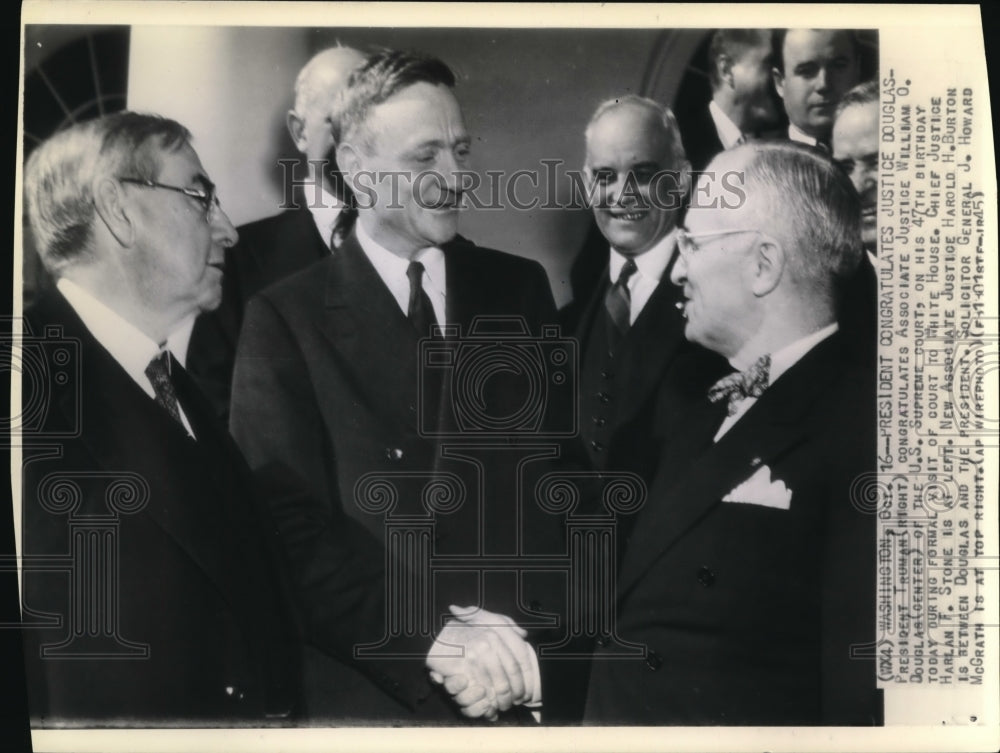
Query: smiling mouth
[632, 216]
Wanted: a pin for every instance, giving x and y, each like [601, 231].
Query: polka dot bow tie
[743, 384]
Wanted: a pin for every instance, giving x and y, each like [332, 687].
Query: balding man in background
[743, 103]
[631, 330]
[273, 248]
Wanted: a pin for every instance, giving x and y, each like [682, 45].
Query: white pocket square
[759, 489]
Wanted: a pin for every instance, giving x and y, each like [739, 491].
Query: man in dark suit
[743, 102]
[329, 382]
[855, 150]
[274, 247]
[631, 330]
[750, 578]
[178, 610]
[160, 570]
[813, 69]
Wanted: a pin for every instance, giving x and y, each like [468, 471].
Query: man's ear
[109, 203]
[349, 163]
[768, 266]
[779, 82]
[724, 67]
[297, 130]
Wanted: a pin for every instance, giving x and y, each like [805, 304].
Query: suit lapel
[365, 325]
[689, 484]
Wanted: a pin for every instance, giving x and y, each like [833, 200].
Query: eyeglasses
[687, 245]
[207, 197]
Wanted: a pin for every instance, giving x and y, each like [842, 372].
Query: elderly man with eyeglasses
[142, 534]
[750, 575]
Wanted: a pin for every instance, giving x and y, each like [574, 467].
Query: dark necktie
[743, 384]
[419, 312]
[618, 301]
[343, 226]
[158, 373]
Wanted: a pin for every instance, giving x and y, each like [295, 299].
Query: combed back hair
[311, 85]
[733, 43]
[866, 93]
[662, 114]
[816, 212]
[60, 174]
[382, 75]
[778, 50]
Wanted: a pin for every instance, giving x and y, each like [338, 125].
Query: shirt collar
[797, 134]
[126, 343]
[652, 264]
[325, 214]
[392, 267]
[729, 132]
[783, 359]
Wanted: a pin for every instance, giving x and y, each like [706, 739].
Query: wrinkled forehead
[179, 165]
[625, 136]
[420, 112]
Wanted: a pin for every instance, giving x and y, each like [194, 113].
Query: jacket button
[605, 374]
[604, 397]
[653, 661]
[598, 447]
[598, 421]
[611, 354]
[603, 641]
[393, 453]
[706, 577]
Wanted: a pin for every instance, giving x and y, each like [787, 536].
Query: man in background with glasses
[750, 575]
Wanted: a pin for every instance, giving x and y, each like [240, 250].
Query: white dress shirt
[781, 361]
[325, 215]
[392, 269]
[650, 267]
[729, 133]
[129, 346]
[796, 134]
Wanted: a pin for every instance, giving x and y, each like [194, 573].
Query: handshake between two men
[485, 664]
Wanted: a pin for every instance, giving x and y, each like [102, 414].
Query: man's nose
[822, 79]
[223, 232]
[679, 272]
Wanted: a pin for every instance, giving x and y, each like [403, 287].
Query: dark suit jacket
[858, 312]
[195, 581]
[630, 439]
[750, 613]
[329, 388]
[699, 136]
[268, 250]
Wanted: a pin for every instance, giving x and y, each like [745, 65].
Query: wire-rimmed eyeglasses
[206, 196]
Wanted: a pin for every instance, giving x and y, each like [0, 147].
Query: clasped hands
[485, 664]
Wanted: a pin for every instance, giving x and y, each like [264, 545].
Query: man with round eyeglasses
[172, 607]
[750, 574]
